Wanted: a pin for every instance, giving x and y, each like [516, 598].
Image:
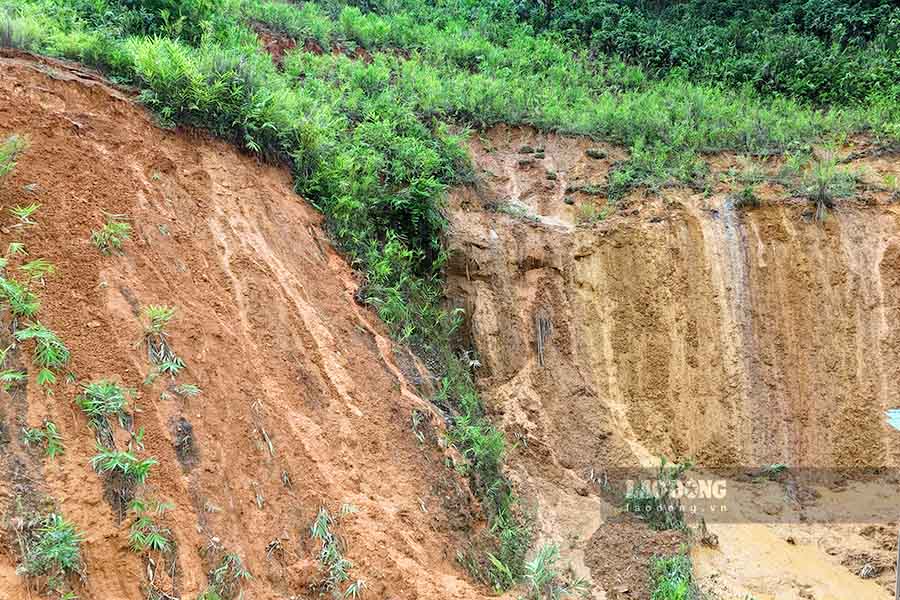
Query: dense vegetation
[821, 51]
[375, 144]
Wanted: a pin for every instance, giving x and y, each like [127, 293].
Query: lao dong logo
[681, 489]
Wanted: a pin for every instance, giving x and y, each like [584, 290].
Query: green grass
[543, 580]
[672, 578]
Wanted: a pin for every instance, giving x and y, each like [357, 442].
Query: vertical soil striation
[677, 326]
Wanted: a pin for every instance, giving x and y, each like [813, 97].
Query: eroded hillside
[686, 324]
[303, 402]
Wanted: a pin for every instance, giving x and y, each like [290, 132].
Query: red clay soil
[302, 402]
[275, 43]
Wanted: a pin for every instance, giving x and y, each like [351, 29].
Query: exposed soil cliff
[303, 403]
[678, 326]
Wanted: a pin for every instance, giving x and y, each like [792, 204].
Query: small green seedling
[187, 390]
[158, 350]
[10, 149]
[49, 351]
[48, 436]
[112, 235]
[103, 399]
[226, 580]
[54, 549]
[158, 317]
[773, 471]
[126, 463]
[9, 377]
[37, 269]
[22, 301]
[146, 535]
[24, 214]
[16, 249]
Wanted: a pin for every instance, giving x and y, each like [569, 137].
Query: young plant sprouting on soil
[47, 436]
[657, 506]
[37, 269]
[101, 400]
[49, 352]
[10, 150]
[226, 580]
[543, 580]
[336, 568]
[16, 249]
[672, 579]
[589, 212]
[50, 548]
[746, 199]
[126, 464]
[9, 377]
[146, 535]
[22, 301]
[774, 471]
[187, 390]
[158, 350]
[112, 235]
[825, 182]
[24, 214]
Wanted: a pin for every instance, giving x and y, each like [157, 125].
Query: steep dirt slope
[302, 405]
[679, 327]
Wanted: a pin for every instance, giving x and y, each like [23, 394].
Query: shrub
[53, 549]
[103, 399]
[125, 463]
[175, 17]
